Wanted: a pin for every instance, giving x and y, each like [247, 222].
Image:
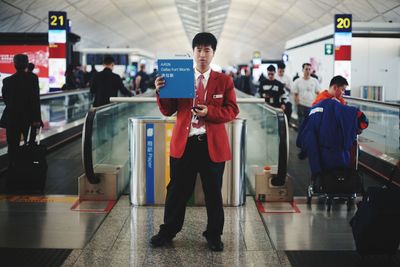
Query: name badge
[217, 96]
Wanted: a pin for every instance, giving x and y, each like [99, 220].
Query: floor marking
[93, 206]
[277, 207]
[38, 199]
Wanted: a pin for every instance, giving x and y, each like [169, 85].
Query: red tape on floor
[93, 206]
[263, 207]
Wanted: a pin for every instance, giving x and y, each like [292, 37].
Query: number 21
[53, 20]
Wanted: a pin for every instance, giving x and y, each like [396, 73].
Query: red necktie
[200, 95]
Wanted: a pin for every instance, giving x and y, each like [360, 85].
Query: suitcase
[28, 174]
[341, 181]
[376, 224]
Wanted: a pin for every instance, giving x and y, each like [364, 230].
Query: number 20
[343, 23]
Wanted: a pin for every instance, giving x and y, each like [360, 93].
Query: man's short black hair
[31, 66]
[271, 68]
[20, 61]
[108, 60]
[281, 65]
[338, 81]
[206, 39]
[305, 64]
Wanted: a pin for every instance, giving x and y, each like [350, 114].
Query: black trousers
[195, 160]
[302, 113]
[13, 139]
[288, 111]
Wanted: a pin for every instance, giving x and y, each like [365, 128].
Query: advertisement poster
[57, 72]
[37, 54]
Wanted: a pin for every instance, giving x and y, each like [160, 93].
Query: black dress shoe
[159, 240]
[214, 243]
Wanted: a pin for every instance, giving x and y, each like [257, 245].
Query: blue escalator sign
[150, 163]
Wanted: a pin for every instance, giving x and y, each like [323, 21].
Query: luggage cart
[338, 184]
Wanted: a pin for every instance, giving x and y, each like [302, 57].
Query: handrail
[154, 100]
[372, 101]
[280, 178]
[60, 93]
[283, 153]
[64, 93]
[282, 128]
[87, 155]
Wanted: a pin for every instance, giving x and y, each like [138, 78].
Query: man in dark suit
[199, 144]
[105, 84]
[30, 69]
[21, 97]
[141, 80]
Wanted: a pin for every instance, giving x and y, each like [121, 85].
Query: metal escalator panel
[380, 142]
[267, 139]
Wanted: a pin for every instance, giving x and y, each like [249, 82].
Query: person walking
[21, 98]
[106, 84]
[305, 90]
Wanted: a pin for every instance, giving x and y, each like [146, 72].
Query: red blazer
[220, 110]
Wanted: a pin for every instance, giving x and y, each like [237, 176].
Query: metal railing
[103, 124]
[277, 146]
[380, 142]
[282, 133]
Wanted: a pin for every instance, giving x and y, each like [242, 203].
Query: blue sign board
[150, 163]
[179, 78]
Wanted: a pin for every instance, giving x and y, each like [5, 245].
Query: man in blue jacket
[329, 131]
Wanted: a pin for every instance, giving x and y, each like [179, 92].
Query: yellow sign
[168, 135]
[57, 20]
[343, 22]
[256, 54]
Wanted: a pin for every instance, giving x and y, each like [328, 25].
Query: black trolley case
[376, 224]
[28, 174]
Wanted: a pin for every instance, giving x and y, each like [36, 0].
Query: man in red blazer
[199, 145]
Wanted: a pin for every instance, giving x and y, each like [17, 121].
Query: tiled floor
[123, 240]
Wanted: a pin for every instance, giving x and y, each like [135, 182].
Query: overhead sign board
[342, 44]
[58, 25]
[57, 20]
[343, 22]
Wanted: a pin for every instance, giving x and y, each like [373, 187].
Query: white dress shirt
[206, 75]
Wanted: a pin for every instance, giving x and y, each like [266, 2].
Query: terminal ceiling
[163, 26]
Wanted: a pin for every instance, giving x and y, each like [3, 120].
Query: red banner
[37, 54]
[343, 52]
[57, 51]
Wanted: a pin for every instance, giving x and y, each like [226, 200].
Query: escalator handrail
[369, 101]
[283, 152]
[59, 94]
[282, 127]
[283, 133]
[283, 149]
[87, 155]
